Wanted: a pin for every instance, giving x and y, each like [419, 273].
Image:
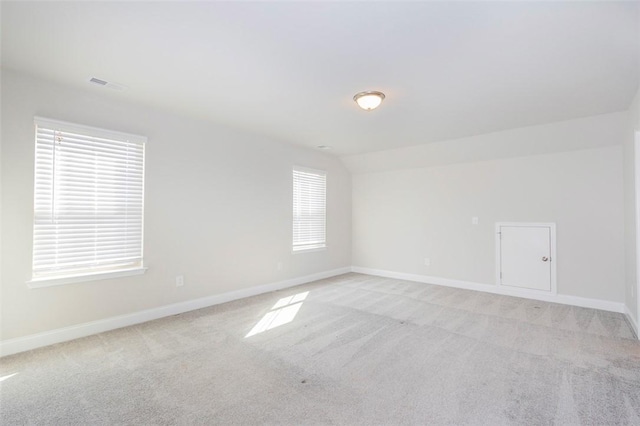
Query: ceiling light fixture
[369, 100]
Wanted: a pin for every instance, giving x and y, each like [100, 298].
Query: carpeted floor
[353, 349]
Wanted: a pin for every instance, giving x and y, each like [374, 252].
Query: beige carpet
[353, 349]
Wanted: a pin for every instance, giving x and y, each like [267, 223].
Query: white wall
[403, 216]
[217, 209]
[631, 287]
[570, 135]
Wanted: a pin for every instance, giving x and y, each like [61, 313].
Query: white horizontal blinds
[309, 209]
[89, 188]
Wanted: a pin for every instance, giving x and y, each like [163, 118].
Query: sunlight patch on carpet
[3, 378]
[283, 312]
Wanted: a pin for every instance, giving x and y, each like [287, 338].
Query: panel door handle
[545, 258]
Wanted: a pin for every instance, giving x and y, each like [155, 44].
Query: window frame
[324, 243]
[95, 273]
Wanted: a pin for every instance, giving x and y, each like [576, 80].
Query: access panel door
[525, 257]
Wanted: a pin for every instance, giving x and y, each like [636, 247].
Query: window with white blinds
[309, 209]
[88, 204]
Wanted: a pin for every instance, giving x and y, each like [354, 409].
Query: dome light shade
[369, 100]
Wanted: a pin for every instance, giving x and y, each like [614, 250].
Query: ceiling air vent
[104, 83]
[98, 81]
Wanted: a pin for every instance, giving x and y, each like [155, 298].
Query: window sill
[50, 282]
[310, 250]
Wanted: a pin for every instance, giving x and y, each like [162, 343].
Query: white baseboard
[34, 341]
[26, 343]
[564, 299]
[632, 320]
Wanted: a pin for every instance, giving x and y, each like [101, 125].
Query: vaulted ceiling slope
[289, 70]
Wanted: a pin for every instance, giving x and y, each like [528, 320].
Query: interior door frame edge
[552, 249]
[636, 178]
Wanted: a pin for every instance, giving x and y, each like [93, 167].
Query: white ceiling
[289, 70]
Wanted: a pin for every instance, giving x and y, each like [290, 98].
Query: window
[88, 202]
[309, 209]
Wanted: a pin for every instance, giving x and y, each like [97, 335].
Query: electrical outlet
[179, 280]
[474, 220]
[427, 261]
